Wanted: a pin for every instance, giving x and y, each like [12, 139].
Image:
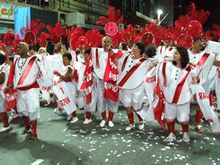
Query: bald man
[23, 77]
[100, 58]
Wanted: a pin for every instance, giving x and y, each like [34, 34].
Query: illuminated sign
[7, 11]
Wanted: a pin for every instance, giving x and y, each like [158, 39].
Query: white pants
[91, 107]
[173, 111]
[133, 97]
[28, 103]
[102, 103]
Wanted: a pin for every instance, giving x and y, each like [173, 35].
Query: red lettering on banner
[150, 79]
[57, 82]
[65, 101]
[202, 95]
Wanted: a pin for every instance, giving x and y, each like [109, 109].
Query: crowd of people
[145, 79]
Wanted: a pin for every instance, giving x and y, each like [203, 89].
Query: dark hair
[140, 46]
[11, 58]
[2, 59]
[87, 51]
[202, 42]
[68, 55]
[124, 46]
[184, 56]
[77, 51]
[150, 51]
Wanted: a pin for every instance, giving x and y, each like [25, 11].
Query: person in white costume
[81, 69]
[64, 86]
[204, 59]
[133, 68]
[44, 90]
[3, 113]
[23, 76]
[99, 58]
[175, 79]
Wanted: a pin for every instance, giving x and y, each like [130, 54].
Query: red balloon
[185, 40]
[111, 28]
[194, 28]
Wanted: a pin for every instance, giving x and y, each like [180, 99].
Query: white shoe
[74, 119]
[110, 124]
[141, 126]
[130, 127]
[186, 137]
[13, 116]
[69, 117]
[170, 138]
[102, 123]
[5, 128]
[87, 121]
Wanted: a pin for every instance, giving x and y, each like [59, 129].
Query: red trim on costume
[179, 87]
[164, 73]
[97, 58]
[130, 72]
[34, 85]
[203, 59]
[26, 70]
[124, 62]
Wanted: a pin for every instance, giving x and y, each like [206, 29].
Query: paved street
[67, 144]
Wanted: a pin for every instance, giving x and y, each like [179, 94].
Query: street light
[159, 12]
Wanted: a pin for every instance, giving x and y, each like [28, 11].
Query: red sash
[26, 70]
[203, 59]
[97, 58]
[124, 62]
[164, 73]
[179, 87]
[130, 72]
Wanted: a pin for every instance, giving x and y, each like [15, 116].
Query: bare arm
[216, 63]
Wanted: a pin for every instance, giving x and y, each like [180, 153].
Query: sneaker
[130, 127]
[74, 119]
[141, 126]
[87, 121]
[13, 116]
[170, 138]
[186, 137]
[110, 124]
[5, 128]
[102, 123]
[69, 118]
[199, 128]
